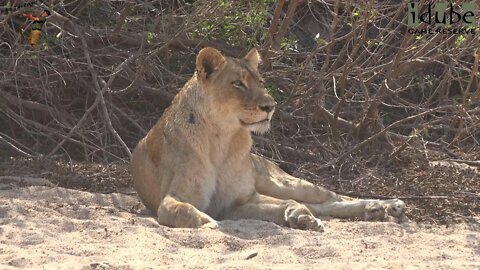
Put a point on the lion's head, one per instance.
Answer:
(235, 89)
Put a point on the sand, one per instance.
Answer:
(48, 227)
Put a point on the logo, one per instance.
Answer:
(37, 22)
(443, 18)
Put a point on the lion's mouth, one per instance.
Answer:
(259, 127)
(266, 120)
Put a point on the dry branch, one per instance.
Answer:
(98, 82)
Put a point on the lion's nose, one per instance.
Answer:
(267, 107)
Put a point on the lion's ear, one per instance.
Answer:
(209, 60)
(253, 58)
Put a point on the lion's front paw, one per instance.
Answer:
(207, 222)
(210, 225)
(299, 217)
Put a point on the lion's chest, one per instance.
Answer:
(233, 185)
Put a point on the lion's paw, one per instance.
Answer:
(395, 207)
(375, 211)
(381, 210)
(210, 225)
(299, 217)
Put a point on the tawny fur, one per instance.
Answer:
(194, 166)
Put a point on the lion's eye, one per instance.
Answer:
(239, 84)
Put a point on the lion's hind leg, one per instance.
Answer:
(282, 212)
(370, 210)
(272, 181)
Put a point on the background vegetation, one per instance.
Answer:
(364, 107)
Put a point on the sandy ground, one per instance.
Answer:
(47, 227)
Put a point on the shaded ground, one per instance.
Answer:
(415, 178)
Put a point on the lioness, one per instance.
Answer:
(195, 167)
